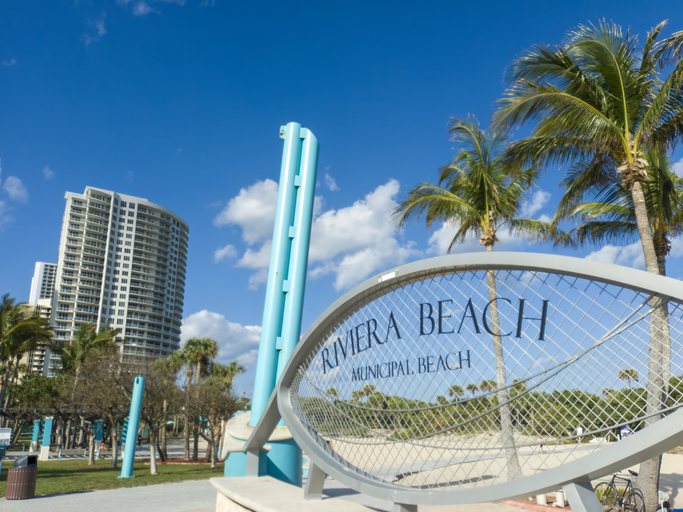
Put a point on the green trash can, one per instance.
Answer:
(21, 479)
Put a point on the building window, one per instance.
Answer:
(127, 251)
(121, 304)
(119, 321)
(131, 221)
(120, 312)
(131, 205)
(123, 204)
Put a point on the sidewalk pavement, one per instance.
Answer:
(190, 496)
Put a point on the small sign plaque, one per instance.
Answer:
(5, 436)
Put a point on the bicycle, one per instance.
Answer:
(629, 500)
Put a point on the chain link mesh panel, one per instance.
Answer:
(465, 379)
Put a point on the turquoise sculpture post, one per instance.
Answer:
(45, 441)
(133, 424)
(35, 436)
(285, 288)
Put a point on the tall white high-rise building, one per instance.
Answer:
(40, 297)
(43, 282)
(122, 261)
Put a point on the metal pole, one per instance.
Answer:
(133, 424)
(266, 364)
(298, 261)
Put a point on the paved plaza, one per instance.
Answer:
(191, 496)
(200, 496)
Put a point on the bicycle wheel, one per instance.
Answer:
(607, 495)
(634, 501)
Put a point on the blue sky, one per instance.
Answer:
(181, 102)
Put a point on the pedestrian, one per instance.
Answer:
(139, 441)
(540, 444)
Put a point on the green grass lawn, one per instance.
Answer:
(57, 477)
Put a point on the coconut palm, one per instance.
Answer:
(472, 388)
(480, 193)
(368, 390)
(195, 352)
(601, 99)
(87, 342)
(21, 330)
(628, 374)
(609, 213)
(455, 391)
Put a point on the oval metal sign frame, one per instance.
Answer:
(645, 444)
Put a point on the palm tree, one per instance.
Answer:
(482, 194)
(86, 343)
(368, 390)
(455, 391)
(488, 385)
(610, 215)
(21, 330)
(628, 374)
(600, 99)
(472, 388)
(197, 351)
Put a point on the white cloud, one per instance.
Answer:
(330, 183)
(534, 204)
(15, 189)
(4, 217)
(11, 62)
(627, 255)
(678, 168)
(350, 243)
(676, 247)
(99, 27)
(257, 261)
(141, 9)
(235, 341)
(224, 253)
(48, 173)
(442, 238)
(253, 210)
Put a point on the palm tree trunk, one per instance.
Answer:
(507, 433)
(152, 453)
(8, 397)
(91, 450)
(81, 432)
(186, 434)
(658, 362)
(114, 443)
(162, 434)
(195, 445)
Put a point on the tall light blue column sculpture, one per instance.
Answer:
(266, 364)
(133, 425)
(285, 288)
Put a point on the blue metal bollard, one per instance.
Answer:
(133, 424)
